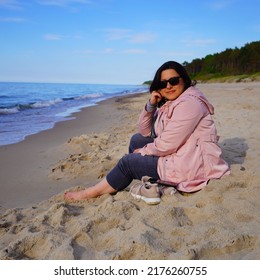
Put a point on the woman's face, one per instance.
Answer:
(171, 92)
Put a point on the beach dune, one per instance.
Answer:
(222, 221)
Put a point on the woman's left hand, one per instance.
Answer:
(137, 151)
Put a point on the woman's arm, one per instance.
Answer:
(186, 116)
(145, 122)
(147, 115)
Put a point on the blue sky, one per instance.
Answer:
(116, 41)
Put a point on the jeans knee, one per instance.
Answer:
(138, 141)
(134, 142)
(135, 138)
(123, 165)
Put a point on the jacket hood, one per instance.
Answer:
(198, 94)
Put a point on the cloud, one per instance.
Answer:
(117, 33)
(63, 3)
(220, 4)
(10, 4)
(53, 37)
(12, 19)
(144, 37)
(59, 37)
(108, 51)
(199, 42)
(87, 53)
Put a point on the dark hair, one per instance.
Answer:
(178, 68)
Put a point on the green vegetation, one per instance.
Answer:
(211, 78)
(147, 83)
(231, 65)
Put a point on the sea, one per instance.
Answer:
(28, 108)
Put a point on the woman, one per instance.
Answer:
(177, 142)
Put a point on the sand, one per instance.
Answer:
(222, 221)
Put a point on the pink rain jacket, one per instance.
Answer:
(186, 142)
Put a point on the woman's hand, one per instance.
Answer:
(137, 151)
(156, 97)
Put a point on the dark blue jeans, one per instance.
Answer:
(133, 166)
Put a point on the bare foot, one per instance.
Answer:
(76, 196)
(99, 189)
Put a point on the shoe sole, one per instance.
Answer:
(150, 201)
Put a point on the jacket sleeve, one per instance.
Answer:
(186, 115)
(145, 122)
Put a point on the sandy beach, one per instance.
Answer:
(222, 221)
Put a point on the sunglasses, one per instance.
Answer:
(173, 81)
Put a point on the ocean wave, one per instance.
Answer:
(21, 107)
(89, 96)
(8, 111)
(46, 103)
(5, 96)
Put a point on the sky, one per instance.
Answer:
(116, 41)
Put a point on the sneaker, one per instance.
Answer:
(146, 191)
(168, 191)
